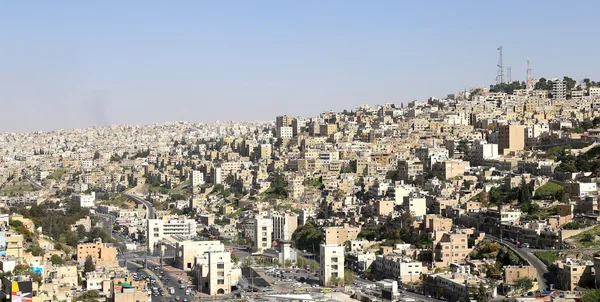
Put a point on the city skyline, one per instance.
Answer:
(71, 65)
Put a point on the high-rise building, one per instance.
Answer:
(332, 264)
(511, 138)
(197, 178)
(284, 121)
(559, 90)
(284, 225)
(263, 229)
(265, 151)
(216, 175)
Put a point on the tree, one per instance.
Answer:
(89, 296)
(463, 146)
(57, 260)
(524, 284)
(36, 250)
(335, 281)
(307, 237)
(524, 192)
(89, 265)
(287, 263)
(591, 295)
(407, 229)
(235, 259)
(96, 155)
(348, 276)
(248, 262)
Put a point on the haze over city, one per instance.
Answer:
(76, 64)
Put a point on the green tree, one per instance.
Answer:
(57, 260)
(307, 237)
(524, 192)
(524, 284)
(235, 259)
(89, 265)
(287, 263)
(348, 276)
(36, 250)
(463, 146)
(335, 281)
(591, 295)
(248, 262)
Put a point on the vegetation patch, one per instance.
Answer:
(588, 238)
(550, 190)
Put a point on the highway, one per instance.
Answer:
(543, 276)
(149, 207)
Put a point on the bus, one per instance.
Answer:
(325, 290)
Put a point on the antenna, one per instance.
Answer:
(528, 79)
(508, 80)
(500, 74)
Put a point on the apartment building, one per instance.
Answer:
(573, 273)
(216, 273)
(511, 138)
(513, 273)
(263, 231)
(332, 263)
(341, 234)
(399, 267)
(452, 247)
(158, 229)
(284, 225)
(196, 178)
(186, 251)
(102, 254)
(85, 200)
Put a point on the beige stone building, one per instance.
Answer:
(341, 234)
(573, 273)
(102, 254)
(511, 138)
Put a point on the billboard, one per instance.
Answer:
(22, 291)
(3, 244)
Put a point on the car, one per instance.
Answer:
(181, 286)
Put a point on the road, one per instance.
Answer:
(149, 207)
(543, 276)
(36, 185)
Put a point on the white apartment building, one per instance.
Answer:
(285, 132)
(216, 273)
(284, 225)
(157, 229)
(416, 205)
(332, 263)
(84, 200)
(196, 178)
(263, 229)
(481, 151)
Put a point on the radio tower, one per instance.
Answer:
(508, 80)
(528, 79)
(500, 75)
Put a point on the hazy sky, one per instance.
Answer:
(68, 64)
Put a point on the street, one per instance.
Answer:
(544, 277)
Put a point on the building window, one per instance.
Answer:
(221, 281)
(220, 265)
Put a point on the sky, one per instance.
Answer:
(73, 64)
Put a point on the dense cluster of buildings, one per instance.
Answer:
(434, 171)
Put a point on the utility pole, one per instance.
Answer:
(508, 75)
